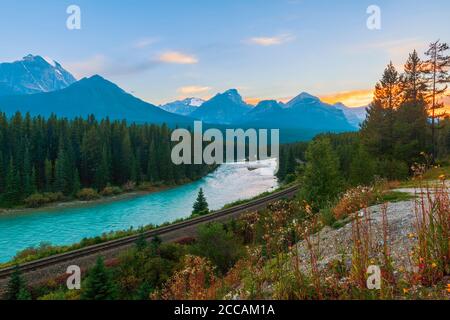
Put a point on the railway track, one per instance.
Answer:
(36, 265)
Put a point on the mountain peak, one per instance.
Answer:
(183, 107)
(232, 92)
(233, 95)
(33, 74)
(224, 108)
(303, 98)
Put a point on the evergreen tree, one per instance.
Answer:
(436, 70)
(141, 242)
(76, 185)
(61, 155)
(322, 180)
(201, 205)
(378, 129)
(17, 287)
(411, 127)
(99, 284)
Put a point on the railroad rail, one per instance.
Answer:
(126, 241)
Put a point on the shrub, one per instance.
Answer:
(87, 194)
(40, 199)
(111, 191)
(146, 186)
(393, 169)
(194, 282)
(218, 245)
(352, 201)
(327, 216)
(432, 252)
(129, 186)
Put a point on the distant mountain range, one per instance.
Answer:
(33, 74)
(304, 111)
(183, 107)
(43, 87)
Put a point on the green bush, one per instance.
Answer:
(327, 216)
(393, 169)
(218, 245)
(111, 191)
(40, 199)
(88, 194)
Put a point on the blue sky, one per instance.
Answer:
(165, 50)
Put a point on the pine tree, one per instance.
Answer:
(76, 185)
(201, 205)
(98, 285)
(322, 180)
(141, 242)
(413, 83)
(377, 131)
(17, 287)
(411, 127)
(436, 69)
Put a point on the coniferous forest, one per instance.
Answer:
(44, 160)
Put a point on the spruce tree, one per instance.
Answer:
(436, 70)
(99, 284)
(377, 131)
(201, 205)
(321, 181)
(17, 287)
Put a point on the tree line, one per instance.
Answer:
(60, 155)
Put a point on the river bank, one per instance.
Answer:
(74, 203)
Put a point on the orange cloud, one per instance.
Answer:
(355, 98)
(177, 58)
(253, 101)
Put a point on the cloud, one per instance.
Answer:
(355, 98)
(397, 50)
(88, 67)
(144, 42)
(189, 90)
(177, 58)
(271, 41)
(100, 64)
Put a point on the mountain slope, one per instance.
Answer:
(304, 112)
(355, 116)
(95, 96)
(183, 107)
(33, 74)
(224, 108)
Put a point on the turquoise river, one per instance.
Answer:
(64, 226)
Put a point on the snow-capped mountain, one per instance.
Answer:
(33, 74)
(355, 116)
(183, 107)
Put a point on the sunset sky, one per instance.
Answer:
(267, 49)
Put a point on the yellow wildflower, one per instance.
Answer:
(433, 265)
(448, 287)
(405, 291)
(442, 177)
